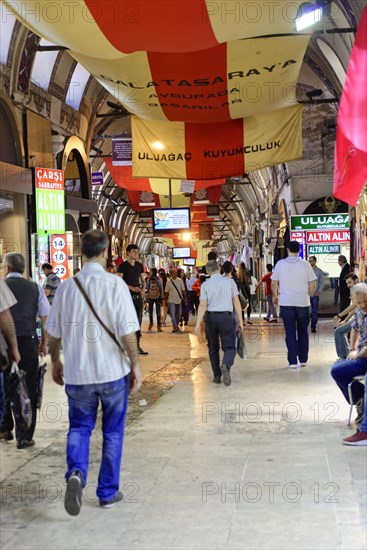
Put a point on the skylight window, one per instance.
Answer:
(77, 86)
(7, 21)
(43, 66)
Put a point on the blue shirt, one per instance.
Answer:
(360, 325)
(219, 292)
(320, 279)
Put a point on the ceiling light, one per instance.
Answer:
(308, 14)
(158, 145)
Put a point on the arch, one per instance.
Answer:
(76, 145)
(10, 114)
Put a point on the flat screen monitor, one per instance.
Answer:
(212, 210)
(171, 219)
(189, 261)
(183, 252)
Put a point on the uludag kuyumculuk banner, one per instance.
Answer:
(208, 151)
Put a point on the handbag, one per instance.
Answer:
(241, 348)
(109, 332)
(4, 357)
(19, 398)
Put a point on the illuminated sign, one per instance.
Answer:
(181, 252)
(314, 237)
(327, 221)
(50, 201)
(323, 249)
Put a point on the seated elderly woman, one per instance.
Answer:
(343, 372)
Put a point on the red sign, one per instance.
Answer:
(333, 236)
(298, 236)
(59, 256)
(49, 179)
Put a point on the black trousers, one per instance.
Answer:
(157, 309)
(138, 304)
(221, 326)
(28, 349)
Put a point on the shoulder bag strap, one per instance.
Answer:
(86, 297)
(179, 293)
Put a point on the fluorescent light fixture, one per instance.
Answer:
(308, 14)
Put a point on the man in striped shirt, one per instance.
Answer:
(219, 303)
(52, 282)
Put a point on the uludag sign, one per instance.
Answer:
(327, 221)
(314, 237)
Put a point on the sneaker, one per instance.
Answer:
(273, 320)
(109, 503)
(74, 492)
(159, 329)
(6, 436)
(175, 330)
(226, 374)
(186, 323)
(292, 366)
(150, 326)
(217, 380)
(303, 364)
(25, 443)
(359, 438)
(266, 319)
(141, 351)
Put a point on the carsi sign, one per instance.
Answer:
(327, 221)
(50, 201)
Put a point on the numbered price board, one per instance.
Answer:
(59, 256)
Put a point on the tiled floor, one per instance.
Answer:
(257, 465)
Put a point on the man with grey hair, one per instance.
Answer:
(343, 372)
(94, 315)
(31, 302)
(220, 304)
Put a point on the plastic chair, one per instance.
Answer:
(360, 378)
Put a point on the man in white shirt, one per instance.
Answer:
(220, 304)
(95, 369)
(293, 282)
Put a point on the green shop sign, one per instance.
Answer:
(50, 201)
(323, 221)
(323, 249)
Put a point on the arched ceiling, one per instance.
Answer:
(35, 74)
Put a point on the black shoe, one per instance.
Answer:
(74, 493)
(25, 443)
(186, 323)
(249, 323)
(273, 320)
(7, 435)
(266, 319)
(226, 374)
(109, 503)
(141, 351)
(313, 330)
(217, 380)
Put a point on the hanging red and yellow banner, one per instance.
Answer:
(210, 151)
(106, 28)
(232, 80)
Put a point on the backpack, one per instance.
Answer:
(154, 292)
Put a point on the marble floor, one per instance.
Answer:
(259, 464)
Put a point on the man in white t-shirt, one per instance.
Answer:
(293, 282)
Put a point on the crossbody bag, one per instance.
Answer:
(109, 332)
(178, 292)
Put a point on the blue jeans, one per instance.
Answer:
(272, 310)
(221, 325)
(296, 320)
(314, 310)
(175, 311)
(83, 406)
(344, 372)
(363, 426)
(341, 344)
